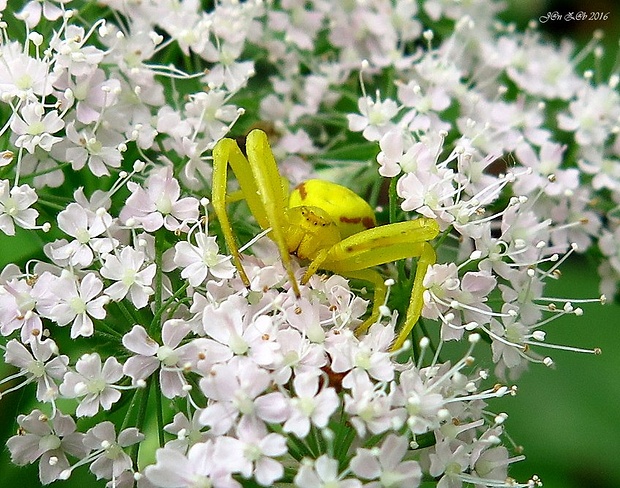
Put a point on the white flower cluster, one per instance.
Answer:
(107, 134)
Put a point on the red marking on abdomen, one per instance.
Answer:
(368, 222)
(350, 220)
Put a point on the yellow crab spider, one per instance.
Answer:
(323, 223)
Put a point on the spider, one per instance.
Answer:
(323, 223)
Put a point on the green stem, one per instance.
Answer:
(393, 199)
(159, 252)
(144, 397)
(160, 413)
(160, 310)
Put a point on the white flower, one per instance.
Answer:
(188, 432)
(593, 115)
(131, 278)
(387, 465)
(86, 227)
(323, 473)
(49, 441)
(31, 12)
(22, 76)
(72, 52)
(34, 127)
(17, 310)
(199, 468)
(259, 448)
(38, 365)
(93, 383)
(375, 119)
(110, 459)
(428, 193)
(370, 407)
(200, 260)
(309, 405)
(299, 24)
(70, 300)
(99, 151)
(170, 358)
(234, 389)
(158, 204)
(15, 207)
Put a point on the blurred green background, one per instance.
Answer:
(566, 418)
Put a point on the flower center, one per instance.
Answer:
(96, 385)
(77, 305)
(244, 403)
(93, 146)
(164, 205)
(36, 128)
(10, 207)
(82, 236)
(167, 356)
(49, 443)
(37, 368)
(129, 277)
(200, 481)
(24, 82)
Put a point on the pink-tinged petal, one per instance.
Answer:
(72, 219)
(365, 465)
(392, 145)
(95, 307)
(108, 397)
(57, 367)
(89, 365)
(298, 424)
(82, 256)
(17, 355)
(186, 209)
(172, 470)
(82, 326)
(272, 407)
(88, 406)
(173, 332)
(138, 295)
(90, 287)
(147, 274)
(6, 225)
(112, 370)
(220, 384)
(357, 122)
(140, 367)
(306, 385)
(326, 405)
(219, 416)
(117, 291)
(267, 471)
(24, 449)
(129, 437)
(171, 383)
(138, 341)
(152, 221)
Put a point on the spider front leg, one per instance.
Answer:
(353, 256)
(261, 186)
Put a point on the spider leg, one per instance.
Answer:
(380, 291)
(352, 256)
(427, 257)
(261, 185)
(226, 151)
